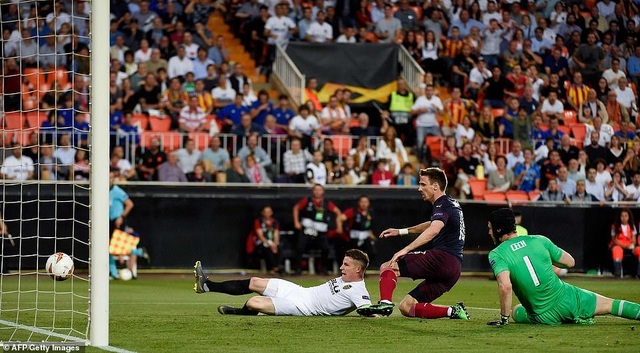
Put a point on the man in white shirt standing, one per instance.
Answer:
(426, 107)
(320, 31)
(634, 188)
(338, 296)
(277, 30)
(614, 74)
(16, 166)
(626, 98)
(477, 77)
(180, 64)
(593, 187)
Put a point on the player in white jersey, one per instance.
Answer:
(338, 296)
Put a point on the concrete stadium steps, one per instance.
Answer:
(236, 50)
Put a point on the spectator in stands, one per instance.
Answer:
(363, 128)
(486, 125)
(151, 159)
(549, 168)
(120, 164)
(489, 160)
(513, 55)
(223, 94)
(581, 195)
(631, 162)
(249, 95)
(615, 151)
(603, 176)
(381, 176)
(605, 132)
(491, 39)
(304, 126)
(156, 62)
(593, 107)
(408, 176)
(455, 109)
(465, 23)
(236, 173)
(633, 189)
(231, 115)
(116, 52)
(626, 132)
(592, 186)
(192, 117)
(333, 118)
(295, 161)
(566, 150)
(615, 190)
(170, 171)
(515, 156)
(633, 67)
(552, 107)
(389, 28)
(238, 78)
(497, 88)
(65, 151)
(247, 127)
(278, 28)
(462, 63)
(553, 192)
(316, 172)
(179, 65)
(272, 127)
(464, 132)
(148, 96)
(538, 135)
(305, 23)
(616, 113)
(200, 64)
(576, 172)
(477, 77)
(391, 149)
(501, 179)
(567, 185)
(466, 167)
(589, 58)
(81, 168)
(255, 172)
(348, 36)
(625, 95)
(613, 74)
(425, 107)
(199, 175)
(16, 166)
(50, 167)
(215, 159)
(319, 31)
(188, 156)
(556, 63)
(261, 108)
(527, 173)
(594, 150)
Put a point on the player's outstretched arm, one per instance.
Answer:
(426, 236)
(394, 232)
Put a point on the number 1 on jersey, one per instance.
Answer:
(532, 271)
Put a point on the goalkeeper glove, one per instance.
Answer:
(504, 320)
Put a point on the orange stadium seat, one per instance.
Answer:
(34, 76)
(159, 124)
(171, 141)
(565, 129)
(570, 117)
(495, 196)
(59, 75)
(517, 196)
(141, 120)
(23, 137)
(579, 132)
(341, 144)
(534, 195)
(478, 188)
(13, 121)
(435, 145)
(36, 118)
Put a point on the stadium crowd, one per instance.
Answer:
(537, 97)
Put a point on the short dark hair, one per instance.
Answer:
(359, 256)
(436, 175)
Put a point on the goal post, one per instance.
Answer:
(54, 100)
(99, 196)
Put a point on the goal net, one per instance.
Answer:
(46, 177)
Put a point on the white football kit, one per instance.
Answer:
(334, 297)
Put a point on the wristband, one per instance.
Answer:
(403, 231)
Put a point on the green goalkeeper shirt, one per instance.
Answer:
(528, 259)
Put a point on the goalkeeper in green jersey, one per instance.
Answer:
(523, 264)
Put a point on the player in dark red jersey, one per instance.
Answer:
(439, 267)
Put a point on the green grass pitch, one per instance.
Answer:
(162, 314)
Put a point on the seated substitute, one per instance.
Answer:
(523, 264)
(338, 296)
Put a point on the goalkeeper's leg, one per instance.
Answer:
(617, 307)
(520, 314)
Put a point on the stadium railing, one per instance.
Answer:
(286, 71)
(274, 145)
(412, 72)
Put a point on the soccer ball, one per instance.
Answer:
(125, 274)
(60, 266)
